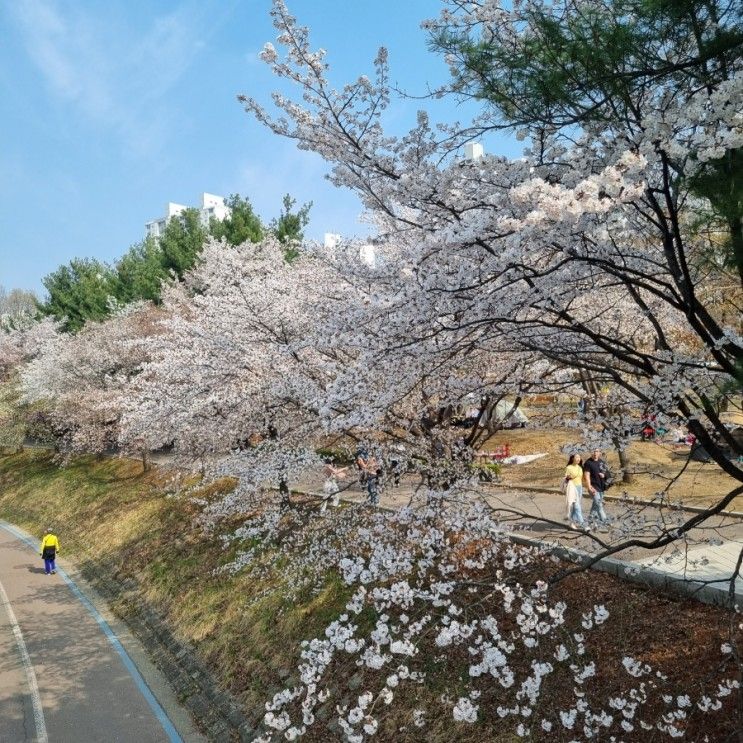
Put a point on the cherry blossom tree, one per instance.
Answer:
(19, 345)
(589, 260)
(79, 378)
(10, 352)
(234, 374)
(585, 252)
(18, 308)
(412, 378)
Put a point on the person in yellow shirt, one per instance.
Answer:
(574, 492)
(49, 549)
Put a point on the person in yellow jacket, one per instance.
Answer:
(49, 549)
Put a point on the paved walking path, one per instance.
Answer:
(708, 556)
(64, 676)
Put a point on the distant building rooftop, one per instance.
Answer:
(211, 206)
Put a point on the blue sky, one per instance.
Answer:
(112, 109)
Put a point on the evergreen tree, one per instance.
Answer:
(242, 225)
(182, 242)
(86, 288)
(139, 272)
(289, 227)
(78, 292)
(595, 67)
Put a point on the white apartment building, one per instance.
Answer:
(211, 206)
(331, 240)
(367, 252)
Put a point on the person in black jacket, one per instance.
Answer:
(369, 474)
(596, 477)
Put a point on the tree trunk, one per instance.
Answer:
(145, 460)
(591, 393)
(624, 462)
(284, 491)
(736, 239)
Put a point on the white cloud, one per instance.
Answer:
(115, 73)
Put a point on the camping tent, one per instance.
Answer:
(517, 419)
(467, 414)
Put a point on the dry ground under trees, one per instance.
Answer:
(654, 467)
(122, 523)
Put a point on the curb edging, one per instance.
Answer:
(217, 712)
(641, 574)
(622, 569)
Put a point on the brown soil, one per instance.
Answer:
(654, 465)
(678, 638)
(250, 632)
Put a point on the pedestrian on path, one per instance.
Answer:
(596, 478)
(369, 474)
(573, 485)
(48, 550)
(330, 488)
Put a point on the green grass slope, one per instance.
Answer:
(128, 527)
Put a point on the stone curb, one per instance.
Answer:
(641, 574)
(216, 712)
(623, 569)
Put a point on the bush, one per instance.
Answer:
(336, 455)
(487, 471)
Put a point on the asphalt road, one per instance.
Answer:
(61, 677)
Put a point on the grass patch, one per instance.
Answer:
(112, 517)
(116, 520)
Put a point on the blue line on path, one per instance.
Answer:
(158, 711)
